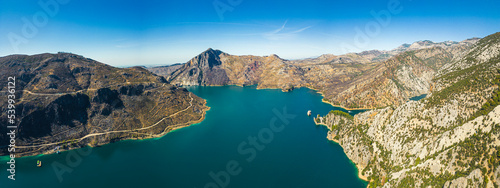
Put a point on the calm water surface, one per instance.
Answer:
(217, 152)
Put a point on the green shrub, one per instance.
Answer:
(341, 113)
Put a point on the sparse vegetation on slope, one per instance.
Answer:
(63, 98)
(450, 138)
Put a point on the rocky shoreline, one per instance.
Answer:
(365, 80)
(331, 136)
(448, 139)
(67, 101)
(175, 127)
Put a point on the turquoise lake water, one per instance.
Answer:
(246, 140)
(417, 98)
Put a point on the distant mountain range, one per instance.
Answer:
(368, 79)
(450, 138)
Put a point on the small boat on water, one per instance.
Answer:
(39, 163)
(309, 113)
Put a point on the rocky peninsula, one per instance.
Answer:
(67, 101)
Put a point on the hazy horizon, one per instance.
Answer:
(122, 33)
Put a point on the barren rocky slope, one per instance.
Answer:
(166, 70)
(358, 80)
(449, 139)
(70, 101)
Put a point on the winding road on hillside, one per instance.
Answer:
(108, 132)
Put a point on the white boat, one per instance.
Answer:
(309, 113)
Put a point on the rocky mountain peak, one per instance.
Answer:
(370, 52)
(421, 44)
(212, 51)
(275, 56)
(209, 57)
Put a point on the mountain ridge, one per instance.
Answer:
(398, 143)
(335, 76)
(69, 101)
(448, 139)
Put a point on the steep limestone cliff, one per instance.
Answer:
(448, 139)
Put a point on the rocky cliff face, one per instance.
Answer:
(395, 80)
(214, 67)
(203, 69)
(70, 101)
(357, 80)
(165, 70)
(448, 139)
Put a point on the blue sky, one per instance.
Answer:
(125, 33)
